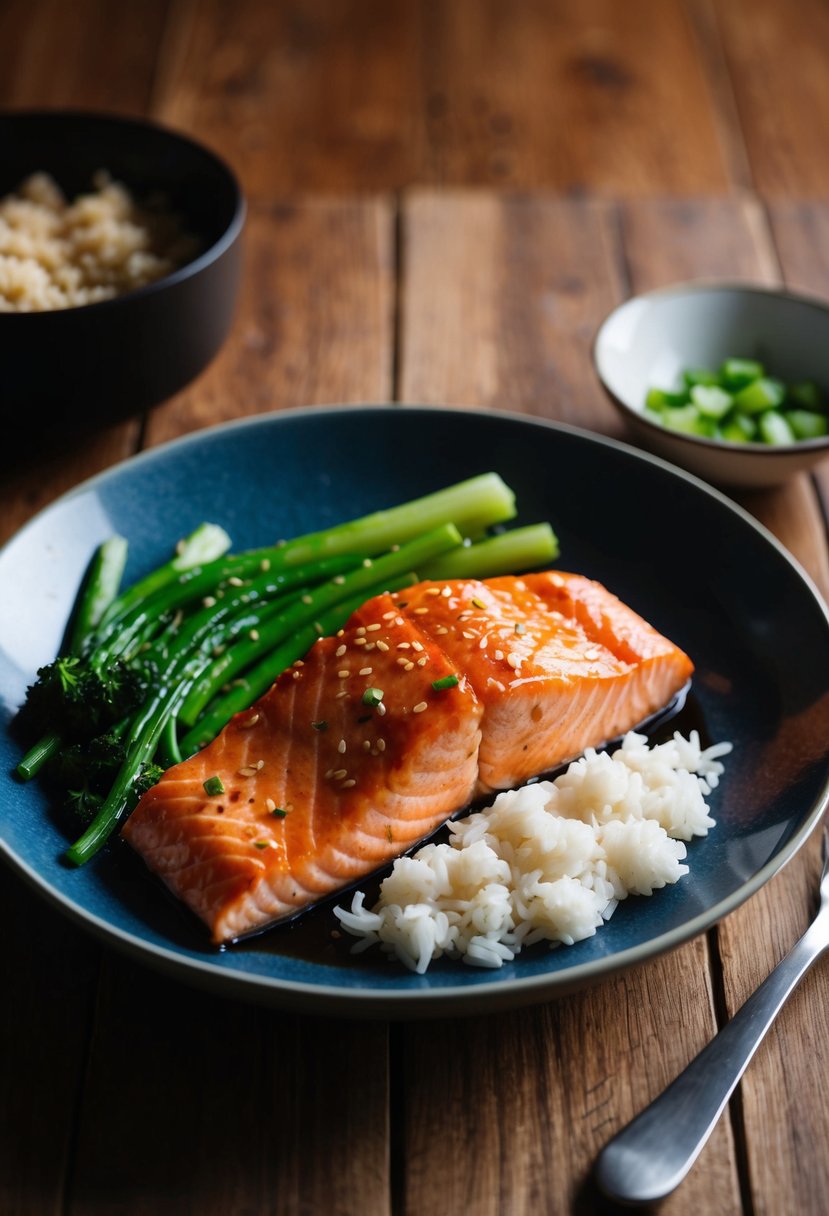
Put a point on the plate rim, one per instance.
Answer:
(461, 999)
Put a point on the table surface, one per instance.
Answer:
(445, 201)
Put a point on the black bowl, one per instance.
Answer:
(75, 368)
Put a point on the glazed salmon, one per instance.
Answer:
(321, 786)
(558, 663)
(425, 699)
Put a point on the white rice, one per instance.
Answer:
(548, 862)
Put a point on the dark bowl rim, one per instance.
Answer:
(718, 286)
(202, 260)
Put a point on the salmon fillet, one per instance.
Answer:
(322, 785)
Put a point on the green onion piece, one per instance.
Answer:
(699, 375)
(659, 399)
(213, 786)
(807, 424)
(760, 395)
(775, 429)
(279, 812)
(711, 401)
(736, 373)
(520, 627)
(445, 682)
(260, 844)
(321, 725)
(478, 603)
(372, 696)
(806, 394)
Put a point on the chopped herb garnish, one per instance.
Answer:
(402, 603)
(445, 682)
(213, 786)
(520, 627)
(279, 812)
(479, 603)
(372, 696)
(321, 725)
(260, 844)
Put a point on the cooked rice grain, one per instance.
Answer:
(548, 862)
(55, 254)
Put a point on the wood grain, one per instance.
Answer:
(778, 56)
(587, 1062)
(524, 285)
(569, 96)
(315, 320)
(92, 54)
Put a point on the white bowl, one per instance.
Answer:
(649, 341)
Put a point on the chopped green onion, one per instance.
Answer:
(445, 682)
(321, 725)
(372, 696)
(279, 812)
(213, 786)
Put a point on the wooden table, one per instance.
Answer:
(391, 257)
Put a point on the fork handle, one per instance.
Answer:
(652, 1155)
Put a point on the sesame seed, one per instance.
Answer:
(446, 592)
(339, 773)
(404, 645)
(419, 708)
(329, 773)
(366, 562)
(370, 645)
(478, 603)
(177, 619)
(417, 645)
(235, 581)
(341, 746)
(388, 616)
(373, 628)
(381, 645)
(394, 549)
(433, 590)
(381, 745)
(482, 645)
(359, 641)
(514, 659)
(254, 635)
(307, 599)
(398, 620)
(297, 663)
(340, 633)
(318, 628)
(339, 579)
(365, 671)
(209, 601)
(496, 684)
(180, 546)
(270, 805)
(247, 771)
(470, 636)
(499, 655)
(422, 661)
(408, 666)
(340, 651)
(402, 660)
(441, 629)
(421, 611)
(344, 693)
(250, 722)
(381, 709)
(265, 564)
(296, 675)
(366, 745)
(343, 674)
(346, 785)
(218, 651)
(360, 630)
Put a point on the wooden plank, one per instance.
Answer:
(524, 285)
(543, 1088)
(193, 1103)
(568, 96)
(781, 1110)
(315, 317)
(303, 95)
(90, 54)
(778, 56)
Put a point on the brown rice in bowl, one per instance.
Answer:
(57, 254)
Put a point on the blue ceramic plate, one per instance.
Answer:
(680, 553)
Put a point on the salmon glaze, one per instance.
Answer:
(425, 700)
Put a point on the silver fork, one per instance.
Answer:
(651, 1156)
